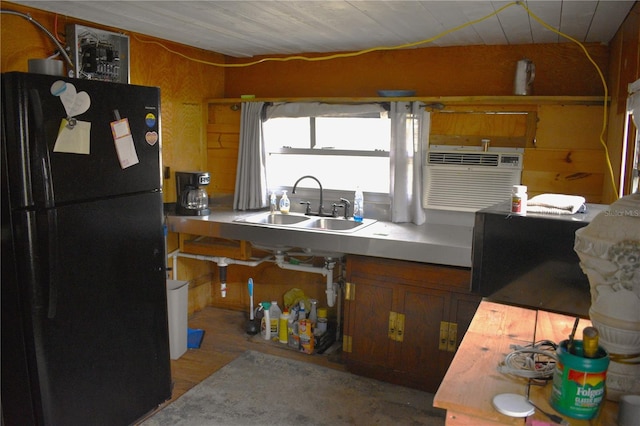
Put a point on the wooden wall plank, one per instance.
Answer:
(569, 126)
(431, 71)
(588, 185)
(564, 160)
(479, 124)
(223, 139)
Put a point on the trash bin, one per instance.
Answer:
(177, 305)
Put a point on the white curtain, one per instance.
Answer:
(410, 125)
(251, 177)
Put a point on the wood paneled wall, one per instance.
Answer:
(561, 69)
(184, 84)
(223, 136)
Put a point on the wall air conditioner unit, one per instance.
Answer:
(468, 179)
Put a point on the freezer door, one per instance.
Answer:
(45, 156)
(100, 334)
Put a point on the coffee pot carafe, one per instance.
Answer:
(525, 73)
(192, 198)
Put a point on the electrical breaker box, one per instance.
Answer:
(98, 54)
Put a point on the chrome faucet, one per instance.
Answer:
(293, 191)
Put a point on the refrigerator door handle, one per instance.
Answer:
(41, 179)
(42, 184)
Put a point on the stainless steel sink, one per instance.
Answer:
(299, 221)
(276, 219)
(333, 224)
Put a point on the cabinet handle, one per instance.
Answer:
(350, 291)
(400, 328)
(393, 316)
(347, 342)
(444, 336)
(396, 326)
(453, 337)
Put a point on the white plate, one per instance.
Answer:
(513, 405)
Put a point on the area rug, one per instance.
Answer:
(262, 389)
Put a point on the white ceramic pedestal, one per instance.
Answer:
(609, 252)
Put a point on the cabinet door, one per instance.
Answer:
(368, 322)
(463, 308)
(419, 357)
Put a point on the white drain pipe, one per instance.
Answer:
(326, 271)
(223, 262)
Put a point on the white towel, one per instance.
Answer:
(555, 204)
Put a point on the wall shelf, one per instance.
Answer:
(447, 100)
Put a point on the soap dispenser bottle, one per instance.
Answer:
(358, 206)
(285, 204)
(273, 205)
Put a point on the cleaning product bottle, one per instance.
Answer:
(285, 204)
(265, 323)
(302, 314)
(321, 326)
(358, 206)
(273, 204)
(292, 333)
(305, 330)
(274, 315)
(313, 313)
(283, 327)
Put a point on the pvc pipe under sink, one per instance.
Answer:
(221, 261)
(326, 270)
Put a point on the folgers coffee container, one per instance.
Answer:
(579, 382)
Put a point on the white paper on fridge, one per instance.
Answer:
(123, 139)
(73, 139)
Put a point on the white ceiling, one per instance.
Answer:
(249, 28)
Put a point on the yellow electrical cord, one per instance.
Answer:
(604, 85)
(425, 41)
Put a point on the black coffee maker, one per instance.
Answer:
(192, 198)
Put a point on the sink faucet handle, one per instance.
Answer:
(307, 209)
(335, 207)
(347, 206)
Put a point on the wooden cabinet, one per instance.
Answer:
(404, 320)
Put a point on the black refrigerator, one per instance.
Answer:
(84, 306)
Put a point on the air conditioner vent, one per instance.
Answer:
(469, 181)
(464, 158)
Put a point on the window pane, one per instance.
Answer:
(337, 171)
(371, 174)
(366, 134)
(287, 132)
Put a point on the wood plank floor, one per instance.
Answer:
(224, 340)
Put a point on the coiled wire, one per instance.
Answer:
(536, 361)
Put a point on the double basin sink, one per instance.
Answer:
(303, 222)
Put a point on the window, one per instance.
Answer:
(342, 152)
